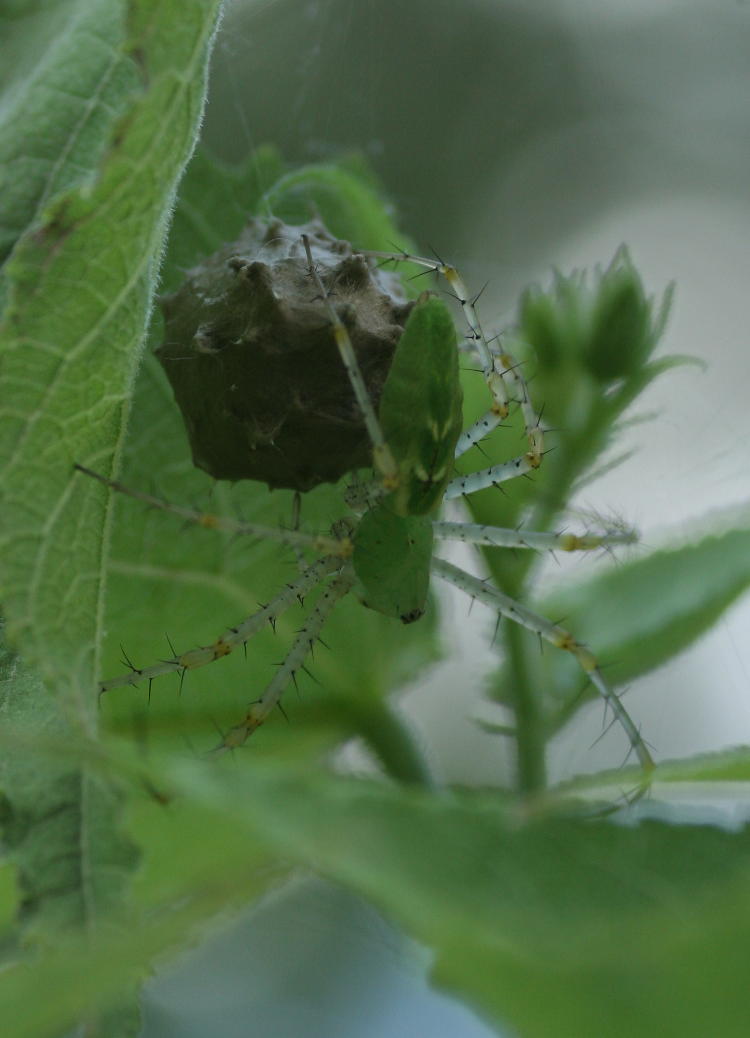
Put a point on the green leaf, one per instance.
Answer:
(727, 768)
(9, 897)
(80, 291)
(214, 202)
(98, 129)
(60, 828)
(177, 897)
(57, 821)
(638, 615)
(344, 195)
(68, 79)
(554, 927)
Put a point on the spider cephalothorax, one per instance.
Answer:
(253, 364)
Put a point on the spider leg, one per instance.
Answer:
(234, 636)
(483, 426)
(555, 635)
(501, 537)
(491, 371)
(461, 486)
(295, 538)
(500, 370)
(294, 661)
(511, 370)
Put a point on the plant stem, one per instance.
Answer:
(530, 741)
(392, 742)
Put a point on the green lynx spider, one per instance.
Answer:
(383, 548)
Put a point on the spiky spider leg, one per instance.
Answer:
(501, 537)
(294, 538)
(501, 373)
(519, 466)
(555, 635)
(228, 641)
(483, 426)
(493, 377)
(493, 536)
(294, 660)
(340, 549)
